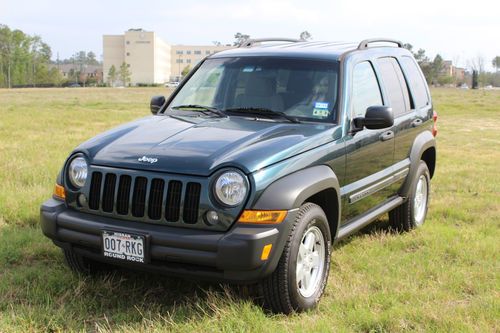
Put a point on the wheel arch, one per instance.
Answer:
(324, 199)
(317, 184)
(423, 148)
(429, 157)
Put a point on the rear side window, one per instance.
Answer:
(365, 89)
(395, 85)
(416, 82)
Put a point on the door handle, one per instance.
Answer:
(387, 136)
(416, 122)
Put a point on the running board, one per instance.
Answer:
(367, 218)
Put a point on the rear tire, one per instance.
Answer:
(301, 276)
(82, 265)
(411, 214)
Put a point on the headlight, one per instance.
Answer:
(77, 172)
(231, 188)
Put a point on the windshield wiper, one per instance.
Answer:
(263, 112)
(201, 108)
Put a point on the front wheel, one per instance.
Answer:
(82, 265)
(300, 278)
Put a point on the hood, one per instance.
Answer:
(201, 145)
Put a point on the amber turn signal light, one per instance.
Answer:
(59, 192)
(263, 216)
(266, 250)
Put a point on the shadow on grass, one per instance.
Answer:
(379, 226)
(38, 290)
(37, 287)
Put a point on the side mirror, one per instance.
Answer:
(156, 103)
(376, 117)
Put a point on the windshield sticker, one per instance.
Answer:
(321, 105)
(321, 112)
(248, 69)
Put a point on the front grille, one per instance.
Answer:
(144, 198)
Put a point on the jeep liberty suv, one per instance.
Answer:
(261, 159)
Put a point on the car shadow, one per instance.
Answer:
(379, 226)
(169, 292)
(34, 278)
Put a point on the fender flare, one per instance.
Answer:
(422, 142)
(291, 191)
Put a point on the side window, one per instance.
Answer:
(365, 89)
(395, 85)
(416, 81)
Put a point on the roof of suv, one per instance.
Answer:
(301, 49)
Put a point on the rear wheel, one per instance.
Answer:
(412, 213)
(82, 265)
(299, 281)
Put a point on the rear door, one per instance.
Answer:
(398, 97)
(409, 124)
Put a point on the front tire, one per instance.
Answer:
(82, 265)
(412, 213)
(301, 276)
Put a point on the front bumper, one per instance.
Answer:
(234, 255)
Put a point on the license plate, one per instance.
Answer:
(123, 246)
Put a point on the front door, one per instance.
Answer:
(370, 153)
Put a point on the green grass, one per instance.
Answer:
(443, 277)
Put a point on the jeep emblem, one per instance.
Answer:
(147, 159)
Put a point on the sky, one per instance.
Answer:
(458, 31)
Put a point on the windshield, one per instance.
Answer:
(300, 88)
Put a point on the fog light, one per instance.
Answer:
(211, 217)
(82, 200)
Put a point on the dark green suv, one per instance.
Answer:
(260, 160)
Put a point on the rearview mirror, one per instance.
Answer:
(156, 103)
(376, 117)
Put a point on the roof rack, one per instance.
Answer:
(364, 43)
(251, 42)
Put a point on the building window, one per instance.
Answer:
(178, 52)
(188, 61)
(188, 52)
(128, 65)
(207, 52)
(128, 53)
(179, 61)
(128, 42)
(197, 52)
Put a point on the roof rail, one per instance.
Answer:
(364, 43)
(251, 42)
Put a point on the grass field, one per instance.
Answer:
(444, 277)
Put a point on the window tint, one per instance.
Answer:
(416, 82)
(395, 84)
(365, 89)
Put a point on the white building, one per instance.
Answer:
(150, 59)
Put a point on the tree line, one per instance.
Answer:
(24, 59)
